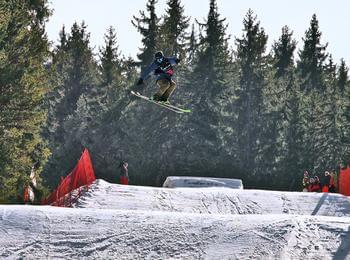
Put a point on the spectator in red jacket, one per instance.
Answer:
(315, 186)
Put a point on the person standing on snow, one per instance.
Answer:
(326, 181)
(315, 186)
(163, 69)
(124, 174)
(306, 181)
(332, 181)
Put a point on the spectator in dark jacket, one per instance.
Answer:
(332, 181)
(124, 175)
(326, 181)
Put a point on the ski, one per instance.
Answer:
(178, 108)
(167, 106)
(155, 102)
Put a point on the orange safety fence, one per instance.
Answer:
(344, 181)
(81, 176)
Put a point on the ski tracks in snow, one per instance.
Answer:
(204, 202)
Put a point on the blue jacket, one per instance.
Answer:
(162, 70)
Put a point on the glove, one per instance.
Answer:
(177, 60)
(139, 82)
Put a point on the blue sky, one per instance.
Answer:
(273, 15)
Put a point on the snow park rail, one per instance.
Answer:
(70, 188)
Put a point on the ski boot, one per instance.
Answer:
(155, 98)
(164, 100)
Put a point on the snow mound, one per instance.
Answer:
(199, 182)
(215, 200)
(112, 221)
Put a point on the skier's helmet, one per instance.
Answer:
(159, 56)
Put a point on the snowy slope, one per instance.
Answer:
(127, 222)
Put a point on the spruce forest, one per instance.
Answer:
(260, 113)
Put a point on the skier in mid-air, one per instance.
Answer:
(163, 68)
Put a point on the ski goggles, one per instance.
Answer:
(159, 60)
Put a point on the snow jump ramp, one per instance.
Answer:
(112, 221)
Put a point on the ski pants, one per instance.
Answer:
(166, 88)
(124, 180)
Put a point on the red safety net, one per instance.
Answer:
(79, 179)
(344, 181)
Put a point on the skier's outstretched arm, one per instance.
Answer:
(146, 73)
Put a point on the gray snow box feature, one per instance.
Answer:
(201, 182)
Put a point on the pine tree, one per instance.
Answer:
(79, 68)
(55, 97)
(269, 148)
(342, 77)
(61, 47)
(109, 55)
(192, 46)
(207, 81)
(327, 134)
(148, 27)
(189, 63)
(344, 107)
(292, 163)
(283, 51)
(250, 59)
(312, 58)
(23, 84)
(173, 29)
(286, 135)
(110, 68)
(75, 103)
(213, 56)
(343, 87)
(311, 73)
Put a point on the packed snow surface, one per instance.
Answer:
(112, 221)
